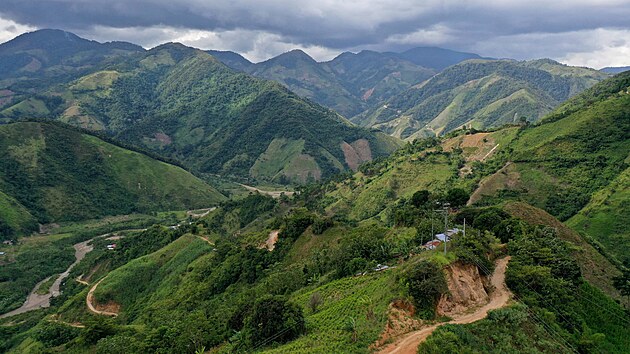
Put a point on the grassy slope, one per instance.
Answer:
(604, 217)
(60, 174)
(15, 215)
(575, 152)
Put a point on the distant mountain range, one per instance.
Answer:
(350, 83)
(481, 94)
(615, 69)
(184, 104)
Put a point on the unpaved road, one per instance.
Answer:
(36, 301)
(498, 298)
(90, 299)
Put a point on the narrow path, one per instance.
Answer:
(498, 298)
(90, 299)
(200, 213)
(489, 152)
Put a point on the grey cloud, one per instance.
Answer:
(333, 24)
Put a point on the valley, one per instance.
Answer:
(179, 200)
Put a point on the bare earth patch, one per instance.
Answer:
(356, 153)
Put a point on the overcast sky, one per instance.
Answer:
(593, 33)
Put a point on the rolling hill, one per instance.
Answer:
(184, 104)
(50, 172)
(481, 94)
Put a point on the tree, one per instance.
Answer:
(273, 320)
(425, 283)
(315, 301)
(457, 197)
(622, 283)
(420, 198)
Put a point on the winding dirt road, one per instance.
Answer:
(498, 298)
(35, 301)
(89, 299)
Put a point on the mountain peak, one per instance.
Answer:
(291, 58)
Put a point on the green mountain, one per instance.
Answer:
(481, 94)
(33, 62)
(308, 78)
(350, 83)
(307, 274)
(52, 173)
(184, 104)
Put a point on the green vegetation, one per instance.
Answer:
(58, 174)
(30, 261)
(481, 93)
(183, 104)
(603, 218)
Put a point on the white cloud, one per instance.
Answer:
(10, 29)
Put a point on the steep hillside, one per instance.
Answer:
(183, 103)
(577, 150)
(375, 77)
(308, 78)
(604, 217)
(481, 94)
(57, 174)
(15, 219)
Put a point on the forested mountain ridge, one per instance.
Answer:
(56, 173)
(481, 94)
(351, 82)
(183, 103)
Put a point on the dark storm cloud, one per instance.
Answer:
(332, 24)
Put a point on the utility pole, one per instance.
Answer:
(445, 211)
(464, 227)
(446, 205)
(432, 232)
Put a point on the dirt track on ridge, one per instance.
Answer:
(498, 299)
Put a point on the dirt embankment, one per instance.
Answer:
(466, 290)
(468, 287)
